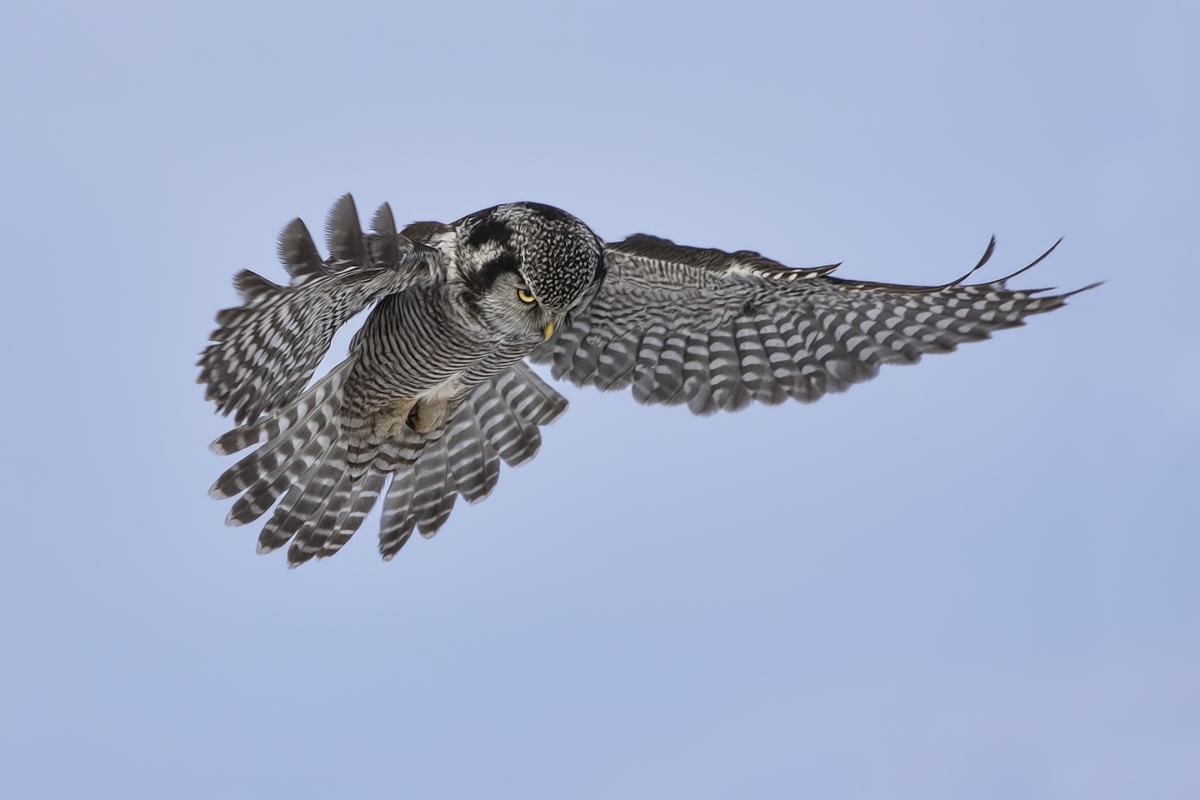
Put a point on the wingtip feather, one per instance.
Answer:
(298, 253)
(343, 232)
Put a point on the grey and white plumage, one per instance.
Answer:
(435, 391)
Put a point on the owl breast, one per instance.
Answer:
(418, 360)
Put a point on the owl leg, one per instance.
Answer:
(391, 419)
(430, 414)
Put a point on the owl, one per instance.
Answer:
(436, 391)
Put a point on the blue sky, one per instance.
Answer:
(976, 577)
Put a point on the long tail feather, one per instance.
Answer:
(398, 523)
(324, 475)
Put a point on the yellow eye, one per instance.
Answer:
(525, 296)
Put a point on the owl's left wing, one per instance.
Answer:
(267, 348)
(717, 330)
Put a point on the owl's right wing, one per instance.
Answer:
(267, 349)
(718, 330)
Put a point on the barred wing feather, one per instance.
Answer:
(719, 330)
(266, 350)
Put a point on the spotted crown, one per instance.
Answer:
(557, 254)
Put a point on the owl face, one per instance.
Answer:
(524, 267)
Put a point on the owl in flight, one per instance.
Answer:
(436, 391)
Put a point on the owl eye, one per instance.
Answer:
(525, 296)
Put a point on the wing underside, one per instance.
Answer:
(719, 330)
(265, 350)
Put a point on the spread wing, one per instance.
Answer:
(266, 349)
(717, 330)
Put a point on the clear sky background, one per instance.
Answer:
(977, 577)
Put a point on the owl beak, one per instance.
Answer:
(548, 331)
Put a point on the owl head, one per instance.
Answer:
(524, 267)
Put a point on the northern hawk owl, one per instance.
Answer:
(435, 391)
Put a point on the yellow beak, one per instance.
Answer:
(548, 331)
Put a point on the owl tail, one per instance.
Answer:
(304, 455)
(327, 490)
(498, 422)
